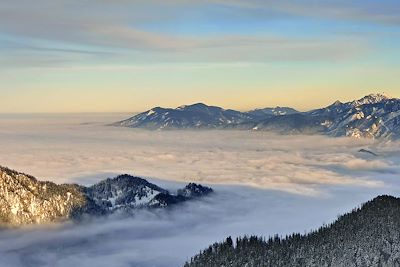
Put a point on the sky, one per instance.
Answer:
(129, 56)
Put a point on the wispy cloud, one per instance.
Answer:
(117, 27)
(382, 12)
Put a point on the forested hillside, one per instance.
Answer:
(367, 236)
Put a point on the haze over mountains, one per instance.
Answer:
(372, 116)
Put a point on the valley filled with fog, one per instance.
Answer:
(264, 184)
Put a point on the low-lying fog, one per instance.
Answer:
(265, 184)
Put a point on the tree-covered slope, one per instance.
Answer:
(367, 236)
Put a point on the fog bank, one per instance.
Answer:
(63, 147)
(264, 184)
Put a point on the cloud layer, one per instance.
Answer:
(60, 148)
(297, 183)
(169, 238)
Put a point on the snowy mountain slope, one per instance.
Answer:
(191, 116)
(297, 123)
(25, 200)
(277, 111)
(123, 191)
(372, 116)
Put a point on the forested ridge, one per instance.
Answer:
(367, 236)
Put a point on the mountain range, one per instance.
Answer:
(372, 116)
(26, 200)
(367, 236)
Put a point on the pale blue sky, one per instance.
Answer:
(78, 56)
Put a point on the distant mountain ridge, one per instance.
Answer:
(277, 111)
(367, 236)
(25, 200)
(192, 116)
(372, 116)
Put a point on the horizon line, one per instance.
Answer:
(193, 103)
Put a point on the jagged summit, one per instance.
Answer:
(336, 103)
(371, 99)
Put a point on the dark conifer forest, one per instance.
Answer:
(367, 236)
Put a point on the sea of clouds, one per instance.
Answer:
(264, 184)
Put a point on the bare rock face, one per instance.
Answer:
(25, 200)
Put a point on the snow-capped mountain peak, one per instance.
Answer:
(336, 103)
(373, 116)
(193, 106)
(371, 99)
(151, 112)
(197, 115)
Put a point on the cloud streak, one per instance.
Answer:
(122, 34)
(383, 12)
